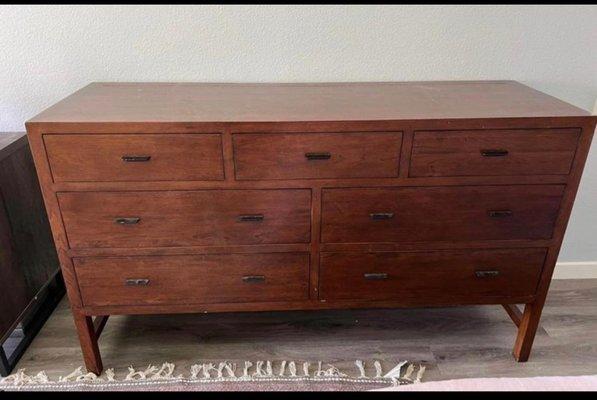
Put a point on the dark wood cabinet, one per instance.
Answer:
(171, 198)
(30, 283)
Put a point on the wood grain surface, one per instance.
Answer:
(93, 158)
(341, 155)
(193, 279)
(167, 219)
(457, 214)
(353, 169)
(272, 102)
(494, 152)
(390, 275)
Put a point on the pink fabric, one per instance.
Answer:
(541, 383)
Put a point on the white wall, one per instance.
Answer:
(49, 51)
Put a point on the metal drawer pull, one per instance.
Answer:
(494, 153)
(136, 158)
(127, 220)
(318, 156)
(250, 217)
(376, 276)
(136, 282)
(381, 216)
(254, 279)
(486, 274)
(499, 213)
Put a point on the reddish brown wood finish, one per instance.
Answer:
(285, 156)
(386, 276)
(99, 323)
(458, 213)
(88, 337)
(427, 137)
(190, 218)
(494, 152)
(199, 279)
(97, 158)
(131, 103)
(514, 313)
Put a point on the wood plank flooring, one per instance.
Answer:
(453, 342)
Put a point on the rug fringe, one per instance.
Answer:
(227, 371)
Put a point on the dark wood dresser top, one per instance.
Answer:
(290, 102)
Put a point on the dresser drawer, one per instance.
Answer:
(316, 155)
(193, 279)
(493, 152)
(456, 213)
(140, 157)
(384, 276)
(185, 218)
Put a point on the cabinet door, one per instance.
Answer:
(13, 293)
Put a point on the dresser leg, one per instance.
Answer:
(88, 340)
(526, 331)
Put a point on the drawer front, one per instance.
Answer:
(185, 218)
(116, 157)
(194, 279)
(316, 155)
(384, 276)
(451, 214)
(493, 152)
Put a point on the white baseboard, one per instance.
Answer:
(576, 270)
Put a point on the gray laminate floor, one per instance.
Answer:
(453, 342)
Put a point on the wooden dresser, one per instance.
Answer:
(183, 197)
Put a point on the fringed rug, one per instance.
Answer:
(226, 376)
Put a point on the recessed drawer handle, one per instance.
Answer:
(136, 282)
(499, 213)
(254, 279)
(381, 216)
(376, 276)
(318, 156)
(251, 217)
(494, 153)
(136, 158)
(127, 220)
(486, 274)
